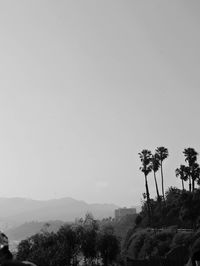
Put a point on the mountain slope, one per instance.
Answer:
(28, 229)
(19, 210)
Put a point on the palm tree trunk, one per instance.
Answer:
(193, 185)
(183, 188)
(147, 188)
(189, 183)
(163, 192)
(148, 200)
(157, 191)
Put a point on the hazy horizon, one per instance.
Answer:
(85, 86)
(62, 198)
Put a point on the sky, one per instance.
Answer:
(86, 85)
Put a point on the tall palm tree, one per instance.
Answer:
(198, 176)
(195, 174)
(162, 154)
(155, 166)
(145, 157)
(182, 172)
(191, 158)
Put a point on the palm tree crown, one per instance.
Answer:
(162, 153)
(190, 156)
(155, 164)
(183, 173)
(145, 157)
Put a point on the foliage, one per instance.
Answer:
(181, 208)
(89, 232)
(70, 243)
(193, 169)
(182, 172)
(145, 157)
(136, 242)
(50, 248)
(108, 245)
(156, 244)
(182, 239)
(190, 210)
(146, 243)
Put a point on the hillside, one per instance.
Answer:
(30, 228)
(15, 211)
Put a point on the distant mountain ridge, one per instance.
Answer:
(15, 211)
(30, 228)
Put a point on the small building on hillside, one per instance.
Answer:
(121, 212)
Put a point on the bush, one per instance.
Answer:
(70, 243)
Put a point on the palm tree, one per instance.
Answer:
(162, 154)
(155, 166)
(191, 158)
(182, 172)
(145, 157)
(195, 174)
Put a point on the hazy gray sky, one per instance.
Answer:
(86, 85)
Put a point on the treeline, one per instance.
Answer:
(82, 242)
(169, 224)
(175, 223)
(160, 208)
(181, 209)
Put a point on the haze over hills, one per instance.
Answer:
(28, 229)
(21, 217)
(15, 211)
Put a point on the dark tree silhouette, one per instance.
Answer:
(191, 158)
(182, 172)
(108, 246)
(89, 232)
(195, 173)
(145, 157)
(155, 166)
(162, 154)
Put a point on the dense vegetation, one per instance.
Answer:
(172, 219)
(181, 209)
(82, 241)
(174, 223)
(175, 207)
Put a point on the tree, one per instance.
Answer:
(191, 158)
(68, 239)
(182, 172)
(89, 238)
(108, 245)
(195, 173)
(155, 166)
(162, 154)
(41, 249)
(55, 249)
(190, 208)
(145, 157)
(24, 249)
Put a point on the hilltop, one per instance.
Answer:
(15, 211)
